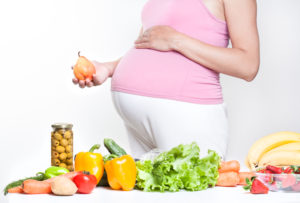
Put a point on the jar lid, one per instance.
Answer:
(62, 125)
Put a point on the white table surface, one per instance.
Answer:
(212, 195)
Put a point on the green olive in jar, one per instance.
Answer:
(57, 136)
(69, 161)
(69, 148)
(63, 165)
(70, 167)
(61, 131)
(60, 149)
(63, 142)
(69, 155)
(55, 154)
(63, 156)
(56, 162)
(55, 142)
(68, 134)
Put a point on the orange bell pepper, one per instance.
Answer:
(91, 162)
(121, 173)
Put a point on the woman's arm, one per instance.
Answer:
(242, 60)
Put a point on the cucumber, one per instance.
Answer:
(113, 147)
(103, 182)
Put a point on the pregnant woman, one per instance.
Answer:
(166, 88)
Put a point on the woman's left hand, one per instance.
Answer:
(159, 37)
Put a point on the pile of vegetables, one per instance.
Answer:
(120, 173)
(173, 170)
(179, 168)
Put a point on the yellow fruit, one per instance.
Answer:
(267, 143)
(280, 158)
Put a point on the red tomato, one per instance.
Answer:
(85, 183)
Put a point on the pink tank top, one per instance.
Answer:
(169, 74)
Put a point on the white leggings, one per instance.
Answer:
(163, 123)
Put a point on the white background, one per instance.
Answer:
(39, 41)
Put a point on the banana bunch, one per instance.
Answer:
(278, 149)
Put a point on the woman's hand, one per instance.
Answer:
(160, 38)
(103, 71)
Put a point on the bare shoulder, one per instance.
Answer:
(239, 6)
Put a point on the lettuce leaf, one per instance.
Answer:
(179, 168)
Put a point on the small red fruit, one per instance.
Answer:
(261, 171)
(288, 170)
(256, 186)
(288, 181)
(296, 187)
(274, 169)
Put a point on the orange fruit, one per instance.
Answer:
(84, 69)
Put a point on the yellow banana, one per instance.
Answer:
(267, 143)
(293, 146)
(280, 158)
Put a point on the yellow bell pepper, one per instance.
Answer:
(121, 173)
(91, 162)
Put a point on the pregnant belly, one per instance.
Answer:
(162, 73)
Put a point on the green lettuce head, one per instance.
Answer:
(179, 168)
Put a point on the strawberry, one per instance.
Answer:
(267, 178)
(268, 171)
(288, 170)
(296, 187)
(261, 171)
(296, 169)
(288, 181)
(274, 186)
(256, 186)
(274, 169)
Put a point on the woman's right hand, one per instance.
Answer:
(103, 71)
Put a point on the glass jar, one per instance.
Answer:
(62, 145)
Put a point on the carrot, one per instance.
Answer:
(228, 179)
(17, 189)
(243, 176)
(31, 186)
(36, 187)
(227, 166)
